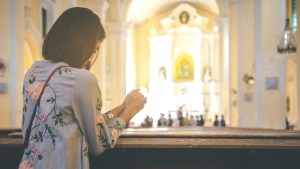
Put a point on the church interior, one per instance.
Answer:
(221, 78)
(204, 58)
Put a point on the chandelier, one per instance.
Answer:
(287, 43)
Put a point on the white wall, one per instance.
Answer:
(259, 23)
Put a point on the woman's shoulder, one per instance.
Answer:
(84, 75)
(84, 78)
(85, 83)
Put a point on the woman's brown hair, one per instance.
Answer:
(73, 37)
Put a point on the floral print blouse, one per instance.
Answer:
(68, 123)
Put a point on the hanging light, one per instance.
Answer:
(207, 75)
(287, 43)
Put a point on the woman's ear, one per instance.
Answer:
(93, 58)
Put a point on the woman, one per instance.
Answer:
(62, 118)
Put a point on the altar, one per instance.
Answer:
(184, 68)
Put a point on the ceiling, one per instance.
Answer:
(140, 10)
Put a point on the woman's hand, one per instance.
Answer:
(129, 95)
(134, 102)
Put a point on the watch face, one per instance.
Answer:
(110, 115)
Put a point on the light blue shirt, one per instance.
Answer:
(68, 123)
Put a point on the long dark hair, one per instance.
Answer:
(73, 37)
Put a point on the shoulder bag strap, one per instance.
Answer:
(28, 130)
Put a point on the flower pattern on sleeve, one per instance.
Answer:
(115, 134)
(116, 129)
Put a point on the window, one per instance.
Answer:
(44, 22)
(294, 16)
(48, 10)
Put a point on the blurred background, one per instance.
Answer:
(199, 62)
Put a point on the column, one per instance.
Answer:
(117, 28)
(233, 41)
(225, 59)
(116, 61)
(11, 50)
(273, 65)
(224, 71)
(246, 59)
(259, 79)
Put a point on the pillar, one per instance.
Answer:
(117, 28)
(116, 61)
(273, 102)
(11, 52)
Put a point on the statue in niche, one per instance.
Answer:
(184, 17)
(162, 73)
(184, 68)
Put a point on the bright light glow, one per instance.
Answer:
(207, 75)
(216, 29)
(214, 105)
(130, 66)
(144, 91)
(164, 96)
(153, 31)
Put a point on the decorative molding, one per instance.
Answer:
(184, 15)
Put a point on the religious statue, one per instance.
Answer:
(163, 73)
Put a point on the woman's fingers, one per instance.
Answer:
(135, 91)
(135, 101)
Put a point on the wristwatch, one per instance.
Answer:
(109, 115)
